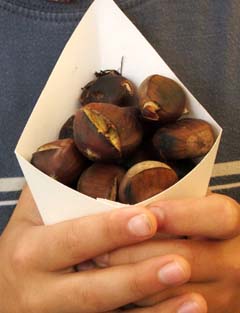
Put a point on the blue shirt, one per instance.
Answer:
(199, 40)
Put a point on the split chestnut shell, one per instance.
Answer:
(101, 181)
(161, 99)
(60, 159)
(103, 131)
(110, 87)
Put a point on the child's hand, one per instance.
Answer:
(37, 262)
(212, 225)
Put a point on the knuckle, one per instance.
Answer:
(21, 256)
(111, 232)
(230, 212)
(72, 239)
(137, 289)
(91, 299)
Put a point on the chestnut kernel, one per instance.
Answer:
(67, 129)
(101, 181)
(109, 87)
(161, 99)
(59, 159)
(144, 180)
(103, 131)
(186, 138)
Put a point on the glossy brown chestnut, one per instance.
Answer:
(59, 159)
(67, 129)
(161, 99)
(186, 138)
(110, 87)
(145, 180)
(101, 181)
(104, 131)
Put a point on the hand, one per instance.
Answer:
(215, 260)
(37, 262)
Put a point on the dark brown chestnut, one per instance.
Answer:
(110, 87)
(161, 99)
(145, 180)
(66, 130)
(59, 159)
(101, 181)
(103, 131)
(186, 138)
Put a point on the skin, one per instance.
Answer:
(212, 227)
(37, 262)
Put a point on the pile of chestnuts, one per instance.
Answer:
(124, 143)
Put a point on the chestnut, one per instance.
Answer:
(66, 130)
(161, 99)
(101, 181)
(103, 131)
(144, 180)
(186, 138)
(109, 87)
(59, 159)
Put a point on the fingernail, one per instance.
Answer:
(102, 260)
(159, 214)
(172, 274)
(140, 225)
(189, 307)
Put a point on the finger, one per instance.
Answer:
(76, 241)
(203, 256)
(215, 216)
(189, 303)
(217, 296)
(106, 289)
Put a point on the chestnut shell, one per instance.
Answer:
(103, 131)
(144, 180)
(186, 138)
(101, 181)
(66, 130)
(161, 99)
(110, 87)
(60, 159)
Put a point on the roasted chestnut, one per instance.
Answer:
(186, 138)
(101, 181)
(103, 131)
(144, 180)
(67, 129)
(110, 87)
(161, 99)
(60, 159)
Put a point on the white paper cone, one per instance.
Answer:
(101, 39)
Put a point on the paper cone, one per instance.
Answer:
(101, 39)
